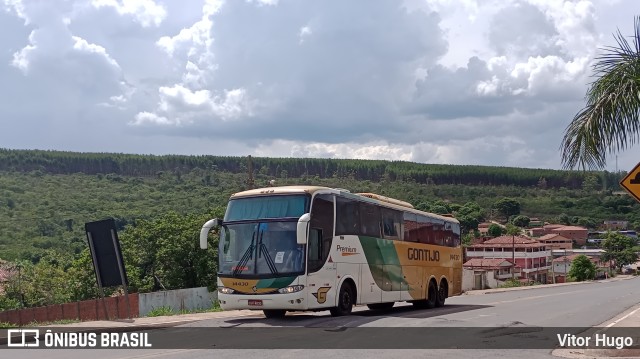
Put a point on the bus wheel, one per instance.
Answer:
(346, 299)
(381, 306)
(430, 302)
(274, 313)
(442, 294)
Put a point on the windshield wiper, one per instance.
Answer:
(245, 257)
(263, 249)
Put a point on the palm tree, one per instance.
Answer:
(609, 122)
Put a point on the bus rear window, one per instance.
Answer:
(283, 206)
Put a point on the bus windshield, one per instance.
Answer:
(263, 249)
(277, 206)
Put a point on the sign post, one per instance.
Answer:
(631, 183)
(107, 258)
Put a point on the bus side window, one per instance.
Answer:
(439, 234)
(347, 217)
(410, 227)
(392, 224)
(424, 230)
(322, 227)
(315, 244)
(370, 220)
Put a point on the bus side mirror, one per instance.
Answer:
(204, 232)
(301, 230)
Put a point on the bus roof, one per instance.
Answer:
(367, 197)
(279, 190)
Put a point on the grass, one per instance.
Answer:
(160, 311)
(6, 325)
(511, 283)
(164, 311)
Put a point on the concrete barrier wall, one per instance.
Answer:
(140, 305)
(177, 300)
(92, 309)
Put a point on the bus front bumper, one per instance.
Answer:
(291, 301)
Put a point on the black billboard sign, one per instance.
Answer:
(106, 253)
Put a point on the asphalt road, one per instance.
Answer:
(583, 305)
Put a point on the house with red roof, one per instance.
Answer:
(480, 273)
(562, 266)
(556, 241)
(532, 256)
(576, 234)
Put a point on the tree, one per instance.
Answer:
(467, 239)
(439, 209)
(582, 268)
(619, 249)
(512, 230)
(587, 222)
(507, 207)
(591, 183)
(467, 223)
(610, 120)
(521, 221)
(494, 230)
(165, 253)
(563, 218)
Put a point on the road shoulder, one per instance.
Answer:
(630, 318)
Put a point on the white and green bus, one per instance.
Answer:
(299, 248)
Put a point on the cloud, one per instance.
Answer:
(467, 82)
(146, 12)
(325, 67)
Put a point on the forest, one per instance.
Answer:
(160, 202)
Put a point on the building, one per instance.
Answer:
(483, 228)
(562, 266)
(479, 273)
(530, 255)
(535, 223)
(556, 241)
(598, 237)
(595, 253)
(615, 225)
(576, 234)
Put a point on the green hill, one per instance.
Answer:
(47, 196)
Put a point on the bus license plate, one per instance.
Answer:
(255, 302)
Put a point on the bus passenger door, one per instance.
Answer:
(322, 287)
(321, 278)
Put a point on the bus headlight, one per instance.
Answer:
(291, 289)
(225, 290)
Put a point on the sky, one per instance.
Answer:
(466, 82)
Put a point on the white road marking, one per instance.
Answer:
(621, 319)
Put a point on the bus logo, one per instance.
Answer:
(346, 251)
(321, 296)
(425, 255)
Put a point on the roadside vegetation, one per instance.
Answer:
(167, 311)
(160, 203)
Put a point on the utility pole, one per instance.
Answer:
(513, 256)
(565, 265)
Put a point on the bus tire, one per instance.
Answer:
(381, 306)
(274, 313)
(346, 300)
(443, 292)
(430, 302)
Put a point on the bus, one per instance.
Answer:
(310, 248)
